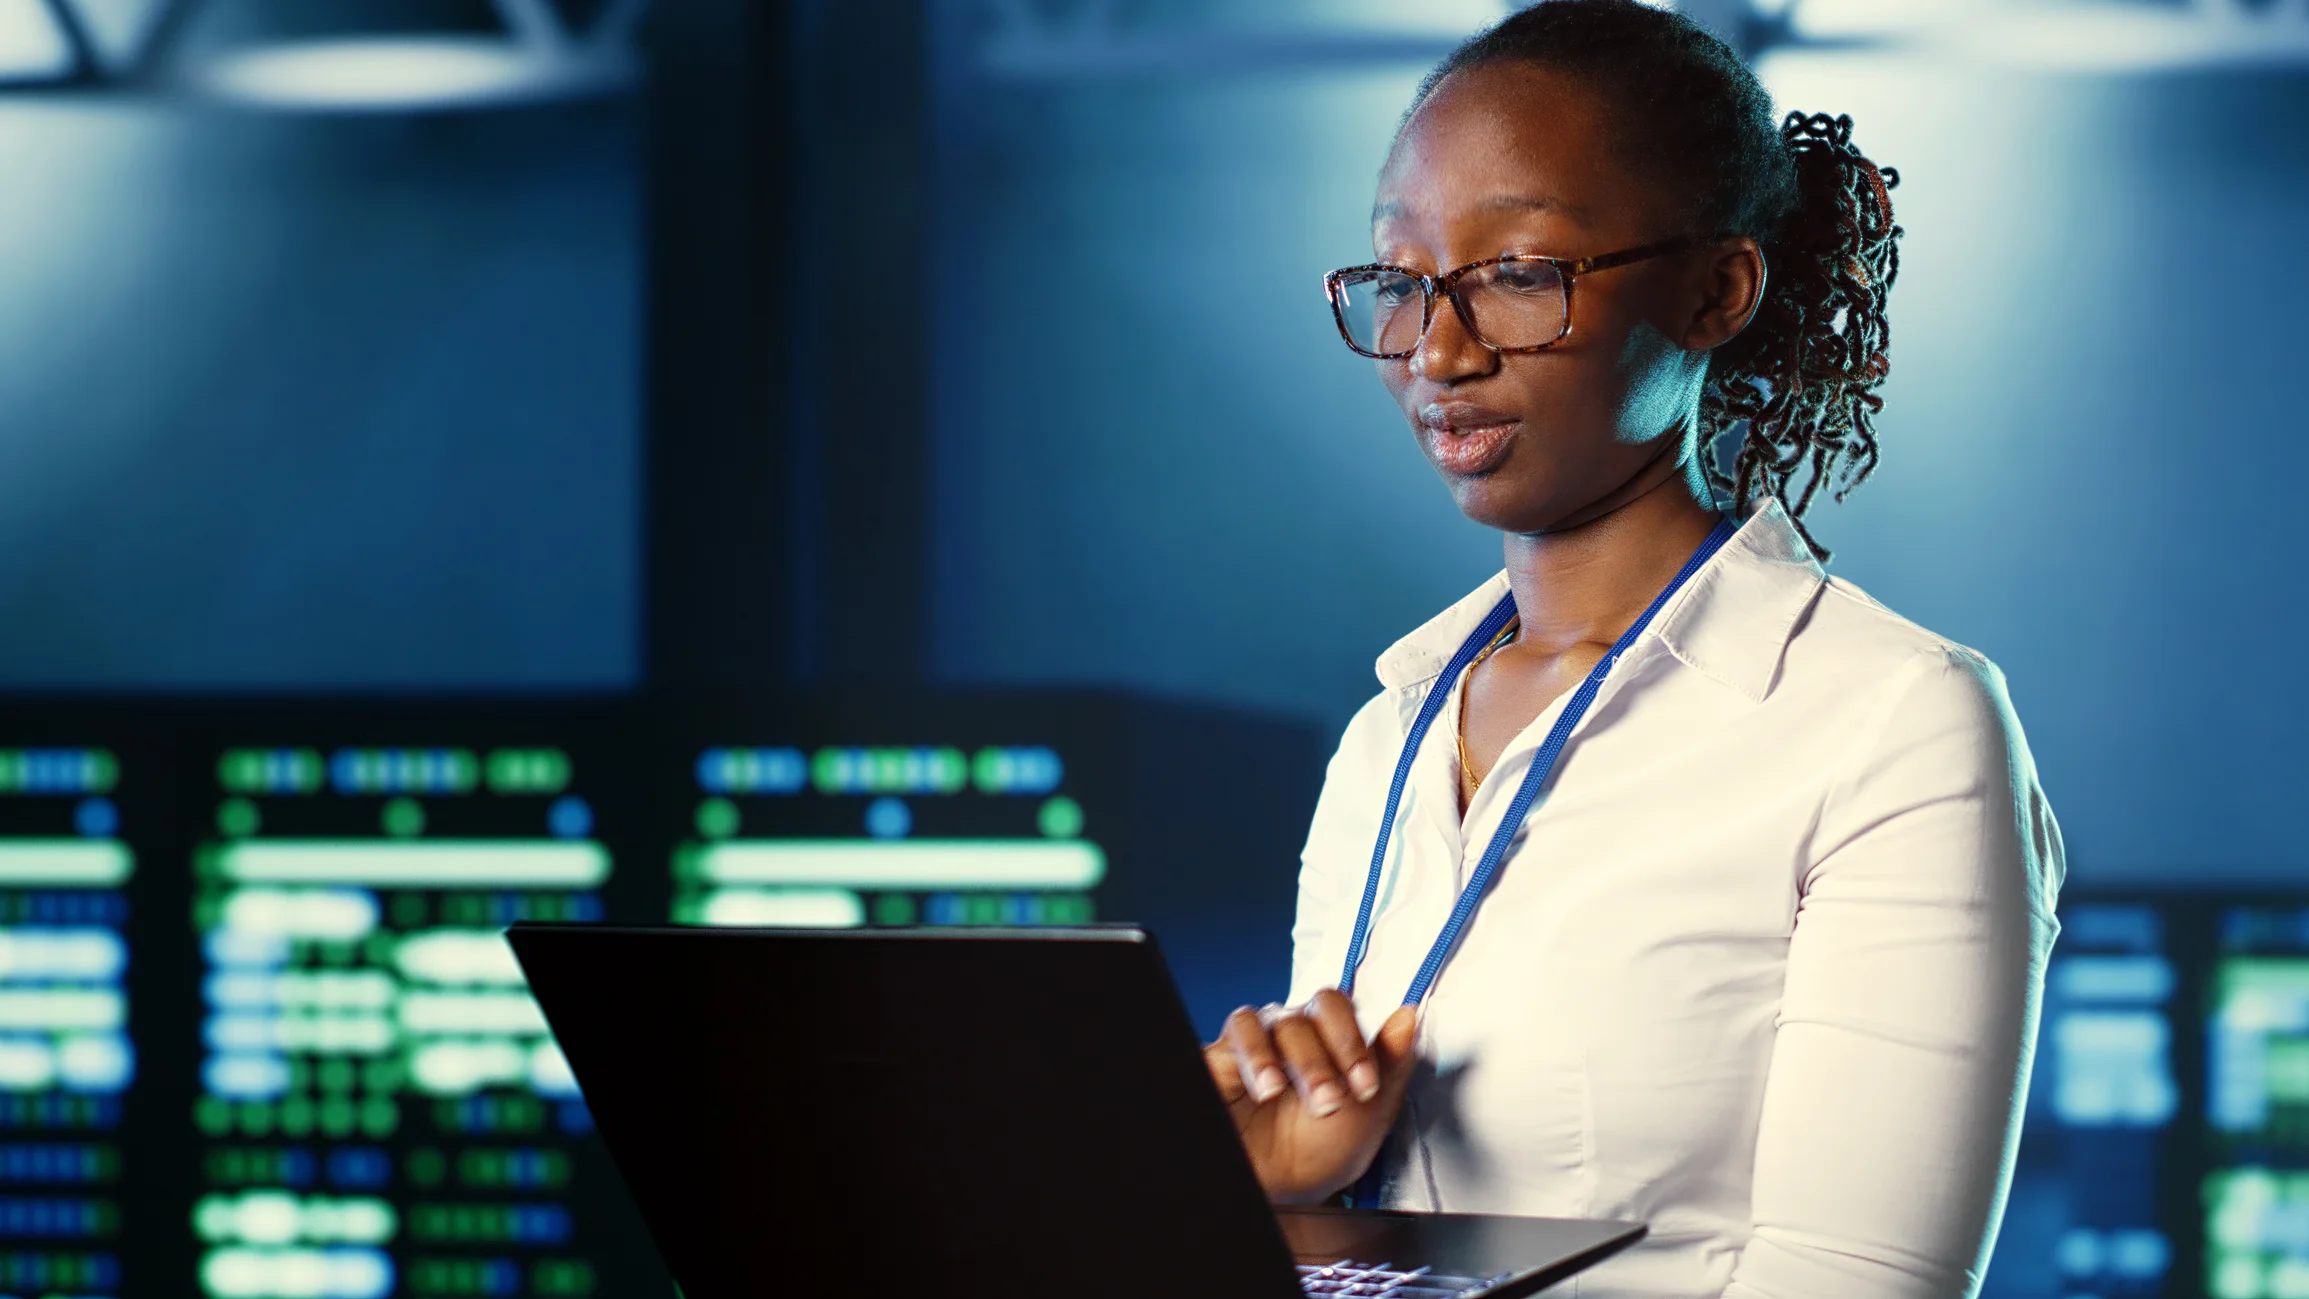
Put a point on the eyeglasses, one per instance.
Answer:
(1509, 304)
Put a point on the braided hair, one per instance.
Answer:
(1799, 384)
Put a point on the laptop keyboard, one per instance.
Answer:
(1370, 1281)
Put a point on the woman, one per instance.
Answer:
(1755, 956)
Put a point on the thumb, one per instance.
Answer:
(1396, 1049)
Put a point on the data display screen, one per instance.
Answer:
(2256, 1196)
(261, 1036)
(886, 835)
(67, 1060)
(2107, 1099)
(381, 1110)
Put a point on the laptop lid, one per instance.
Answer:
(962, 1112)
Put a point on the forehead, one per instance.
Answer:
(1507, 140)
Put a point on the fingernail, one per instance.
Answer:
(1271, 1084)
(1327, 1100)
(1366, 1080)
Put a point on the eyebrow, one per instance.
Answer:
(1386, 208)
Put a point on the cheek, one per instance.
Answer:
(1395, 377)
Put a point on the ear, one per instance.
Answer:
(1730, 278)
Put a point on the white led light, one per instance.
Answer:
(549, 1072)
(471, 1012)
(62, 1009)
(249, 1272)
(247, 947)
(30, 953)
(246, 1077)
(327, 915)
(336, 1034)
(457, 956)
(101, 1063)
(96, 863)
(454, 1067)
(796, 908)
(27, 1064)
(434, 863)
(906, 863)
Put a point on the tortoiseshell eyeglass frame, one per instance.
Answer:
(1567, 269)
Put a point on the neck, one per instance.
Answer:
(1588, 581)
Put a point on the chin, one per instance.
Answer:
(1497, 501)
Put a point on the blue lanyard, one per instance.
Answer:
(1542, 762)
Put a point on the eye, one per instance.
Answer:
(1395, 290)
(1525, 277)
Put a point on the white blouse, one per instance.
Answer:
(1763, 967)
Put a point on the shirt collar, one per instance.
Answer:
(1731, 622)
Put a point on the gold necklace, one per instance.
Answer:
(1469, 782)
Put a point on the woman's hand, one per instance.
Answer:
(1311, 1099)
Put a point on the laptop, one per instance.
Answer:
(962, 1112)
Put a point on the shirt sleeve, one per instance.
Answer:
(1338, 853)
(1915, 971)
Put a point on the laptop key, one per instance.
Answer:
(1378, 1281)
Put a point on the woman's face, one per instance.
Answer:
(1511, 158)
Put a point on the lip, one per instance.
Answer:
(1466, 439)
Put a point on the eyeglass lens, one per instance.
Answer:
(1514, 304)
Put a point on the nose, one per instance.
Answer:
(1449, 352)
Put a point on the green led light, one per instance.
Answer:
(409, 910)
(237, 818)
(528, 771)
(380, 1117)
(296, 1116)
(426, 1166)
(1060, 818)
(256, 1118)
(894, 909)
(337, 1116)
(403, 818)
(335, 1075)
(269, 771)
(1066, 909)
(717, 818)
(888, 771)
(213, 1115)
(562, 1276)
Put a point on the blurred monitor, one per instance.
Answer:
(67, 1058)
(380, 1108)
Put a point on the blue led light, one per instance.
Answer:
(24, 1216)
(540, 1224)
(51, 1163)
(752, 771)
(96, 818)
(570, 817)
(575, 1118)
(889, 818)
(297, 1166)
(360, 1166)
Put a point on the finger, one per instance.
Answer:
(1334, 1019)
(1308, 1061)
(1225, 1075)
(1255, 1057)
